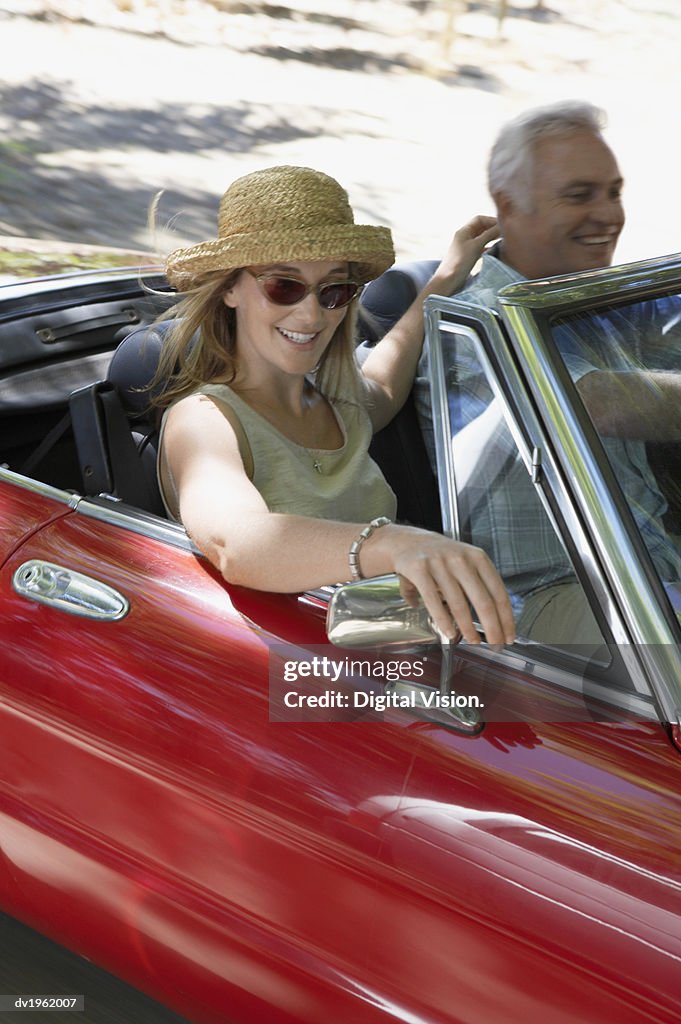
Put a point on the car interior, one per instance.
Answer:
(74, 399)
(53, 342)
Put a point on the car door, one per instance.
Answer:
(549, 840)
(153, 817)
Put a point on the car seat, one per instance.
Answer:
(116, 428)
(399, 448)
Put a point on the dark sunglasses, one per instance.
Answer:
(288, 291)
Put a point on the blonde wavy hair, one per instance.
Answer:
(200, 347)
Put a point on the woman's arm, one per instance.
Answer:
(229, 522)
(391, 365)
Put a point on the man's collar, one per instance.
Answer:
(493, 258)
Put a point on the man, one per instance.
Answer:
(557, 189)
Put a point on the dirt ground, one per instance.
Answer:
(105, 102)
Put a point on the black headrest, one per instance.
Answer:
(134, 366)
(385, 300)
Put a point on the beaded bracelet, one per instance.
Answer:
(353, 553)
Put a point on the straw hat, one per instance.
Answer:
(280, 215)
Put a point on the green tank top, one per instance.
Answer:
(343, 483)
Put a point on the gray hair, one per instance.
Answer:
(510, 163)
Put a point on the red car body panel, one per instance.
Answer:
(23, 511)
(154, 819)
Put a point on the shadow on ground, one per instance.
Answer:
(45, 115)
(279, 13)
(88, 207)
(46, 190)
(344, 58)
(543, 14)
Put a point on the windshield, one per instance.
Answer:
(626, 364)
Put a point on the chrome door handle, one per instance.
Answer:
(69, 591)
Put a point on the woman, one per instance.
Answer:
(264, 447)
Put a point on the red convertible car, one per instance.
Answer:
(202, 792)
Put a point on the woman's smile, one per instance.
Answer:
(298, 337)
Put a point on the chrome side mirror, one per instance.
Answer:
(371, 613)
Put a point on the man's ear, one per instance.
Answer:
(505, 205)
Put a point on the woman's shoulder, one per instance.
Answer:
(218, 389)
(220, 393)
(202, 403)
(223, 407)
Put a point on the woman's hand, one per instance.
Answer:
(465, 249)
(449, 577)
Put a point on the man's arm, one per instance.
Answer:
(635, 405)
(391, 365)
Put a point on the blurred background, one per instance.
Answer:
(105, 102)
